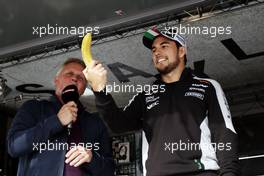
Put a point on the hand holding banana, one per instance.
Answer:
(95, 73)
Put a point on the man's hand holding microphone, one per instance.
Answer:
(68, 113)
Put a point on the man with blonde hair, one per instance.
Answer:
(45, 146)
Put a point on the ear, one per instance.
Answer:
(182, 52)
(55, 80)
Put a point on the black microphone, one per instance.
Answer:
(70, 93)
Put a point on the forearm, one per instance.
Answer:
(227, 152)
(224, 134)
(22, 140)
(119, 120)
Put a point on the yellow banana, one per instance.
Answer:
(86, 49)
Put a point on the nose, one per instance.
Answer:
(156, 53)
(74, 78)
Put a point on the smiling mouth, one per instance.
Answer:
(160, 60)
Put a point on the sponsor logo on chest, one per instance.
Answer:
(152, 101)
(194, 94)
(196, 90)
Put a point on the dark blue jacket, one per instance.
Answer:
(36, 123)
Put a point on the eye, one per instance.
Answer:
(80, 78)
(164, 46)
(68, 74)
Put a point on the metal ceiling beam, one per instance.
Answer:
(117, 29)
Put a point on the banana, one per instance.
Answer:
(86, 49)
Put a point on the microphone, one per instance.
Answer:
(70, 93)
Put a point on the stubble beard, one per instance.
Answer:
(169, 67)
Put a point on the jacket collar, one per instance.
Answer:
(56, 102)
